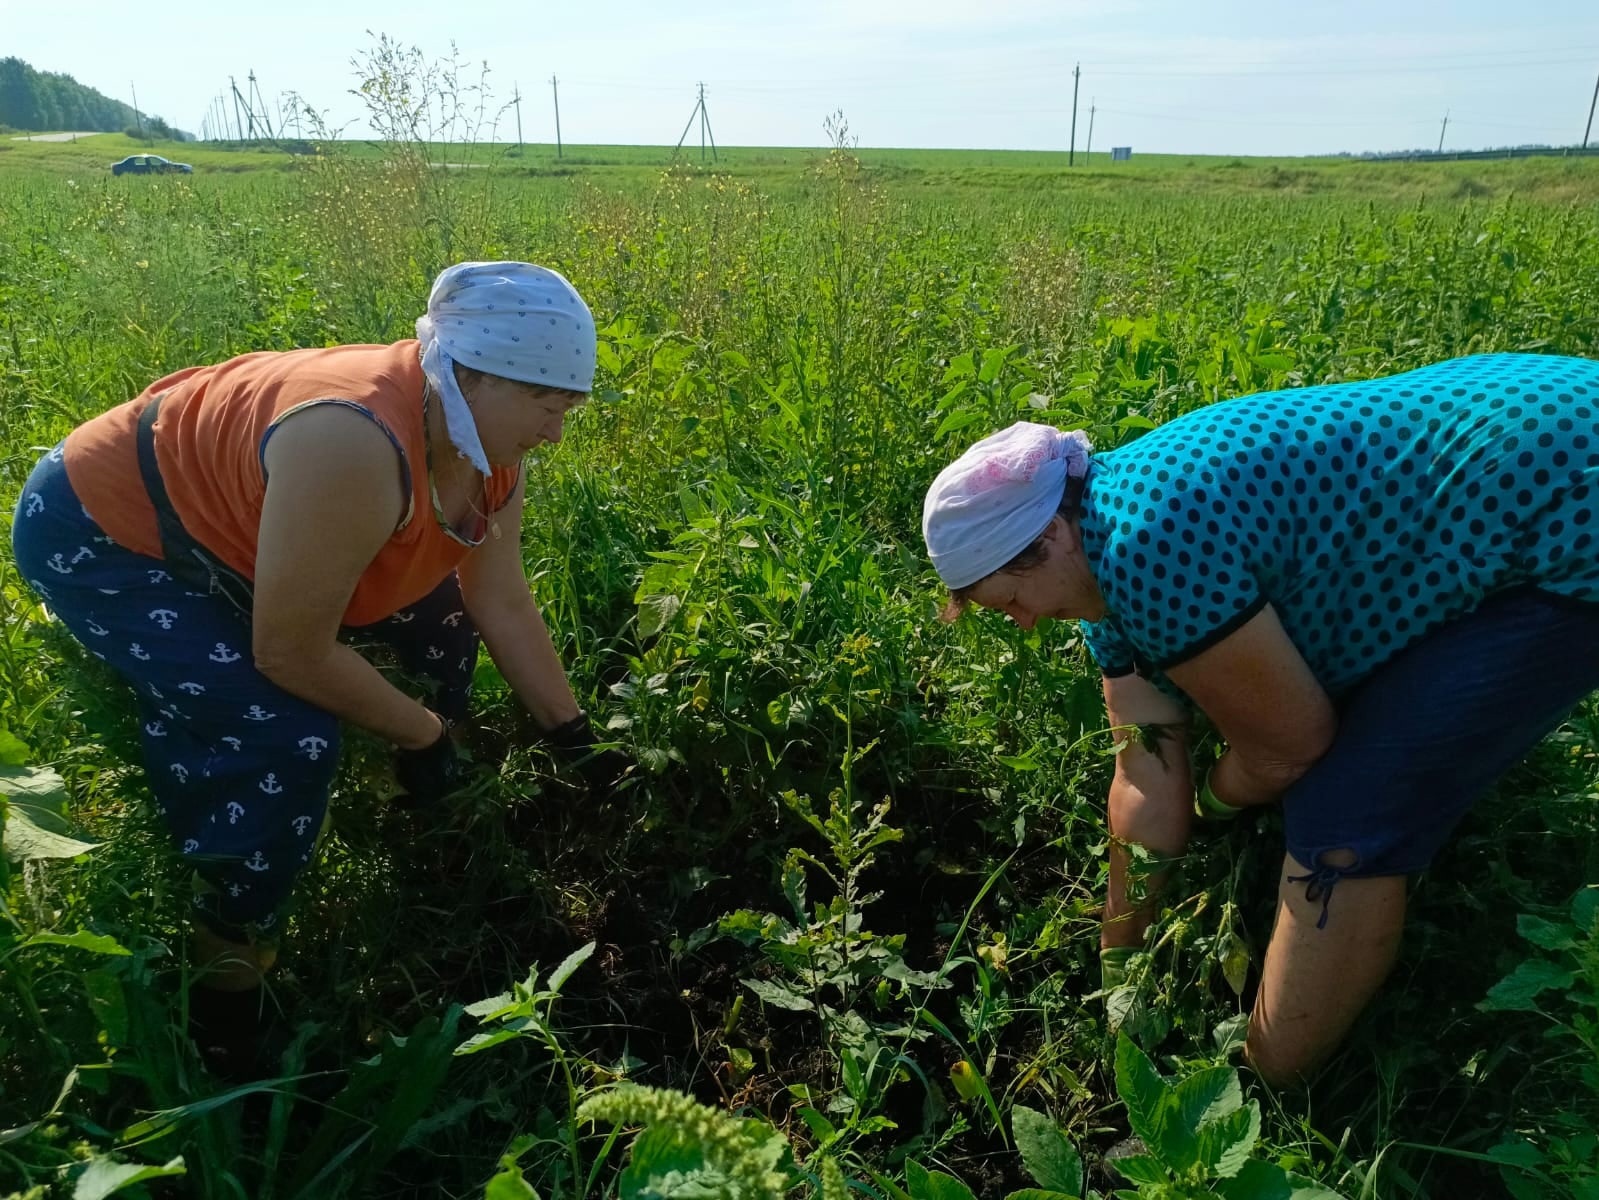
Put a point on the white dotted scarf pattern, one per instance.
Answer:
(510, 319)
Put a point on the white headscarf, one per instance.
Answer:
(990, 504)
(511, 319)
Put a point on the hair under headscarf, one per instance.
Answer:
(511, 319)
(993, 501)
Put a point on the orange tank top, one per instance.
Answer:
(209, 442)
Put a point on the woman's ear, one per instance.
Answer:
(467, 380)
(1059, 534)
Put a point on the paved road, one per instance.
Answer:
(52, 137)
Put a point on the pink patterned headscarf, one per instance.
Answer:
(989, 505)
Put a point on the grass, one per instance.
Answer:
(1546, 180)
(727, 550)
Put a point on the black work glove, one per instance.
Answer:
(600, 770)
(430, 773)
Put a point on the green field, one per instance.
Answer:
(727, 549)
(1549, 180)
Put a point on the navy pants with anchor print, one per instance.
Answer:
(239, 769)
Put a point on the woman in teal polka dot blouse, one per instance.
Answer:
(1381, 594)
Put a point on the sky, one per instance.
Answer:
(1245, 77)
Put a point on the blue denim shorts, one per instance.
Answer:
(1430, 731)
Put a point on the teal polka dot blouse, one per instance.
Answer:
(1367, 514)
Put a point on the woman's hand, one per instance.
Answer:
(1259, 692)
(433, 772)
(600, 770)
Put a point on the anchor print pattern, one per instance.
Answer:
(220, 765)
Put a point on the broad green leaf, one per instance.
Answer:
(24, 839)
(1049, 1158)
(1041, 1194)
(779, 996)
(569, 964)
(934, 1185)
(993, 363)
(14, 752)
(1230, 1035)
(1274, 362)
(1017, 762)
(1134, 421)
(483, 1041)
(655, 613)
(1148, 1098)
(105, 1177)
(1516, 1151)
(33, 787)
(99, 943)
(1208, 1095)
(1585, 908)
(1259, 1180)
(663, 1164)
(956, 421)
(1234, 959)
(1224, 1146)
(1139, 1168)
(1546, 935)
(819, 1125)
(901, 972)
(508, 1184)
(504, 1002)
(1518, 991)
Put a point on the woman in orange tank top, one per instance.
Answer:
(218, 539)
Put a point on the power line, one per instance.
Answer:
(1140, 68)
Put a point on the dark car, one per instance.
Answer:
(149, 164)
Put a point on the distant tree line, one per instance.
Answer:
(37, 101)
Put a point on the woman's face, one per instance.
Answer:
(513, 418)
(1057, 588)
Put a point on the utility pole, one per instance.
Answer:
(1591, 104)
(704, 116)
(1442, 131)
(137, 119)
(255, 99)
(555, 91)
(238, 123)
(1089, 150)
(1071, 155)
(517, 100)
(249, 113)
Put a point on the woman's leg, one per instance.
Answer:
(436, 642)
(238, 769)
(1317, 980)
(1417, 745)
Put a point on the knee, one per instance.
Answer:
(227, 965)
(1280, 1065)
